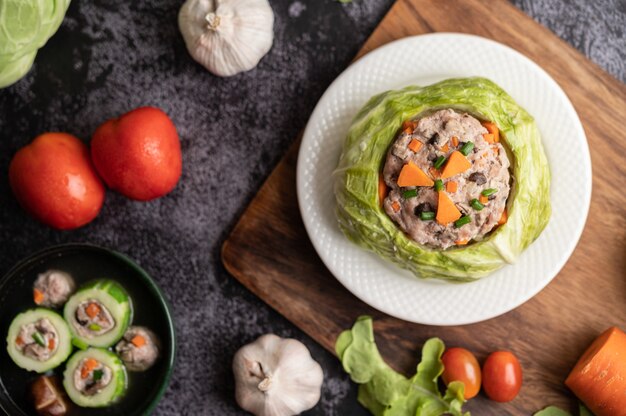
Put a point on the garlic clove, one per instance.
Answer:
(228, 36)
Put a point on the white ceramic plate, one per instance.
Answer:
(423, 60)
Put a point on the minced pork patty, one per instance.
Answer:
(441, 134)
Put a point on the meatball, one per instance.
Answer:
(476, 193)
(139, 348)
(53, 288)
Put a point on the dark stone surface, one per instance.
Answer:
(111, 56)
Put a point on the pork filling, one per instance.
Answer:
(91, 376)
(38, 340)
(448, 178)
(53, 288)
(93, 318)
(138, 348)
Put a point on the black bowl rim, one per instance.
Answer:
(171, 359)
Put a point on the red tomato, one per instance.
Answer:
(502, 376)
(461, 365)
(53, 179)
(138, 154)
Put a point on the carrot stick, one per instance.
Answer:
(455, 141)
(483, 199)
(38, 296)
(382, 190)
(415, 145)
(599, 377)
(492, 129)
(503, 218)
(51, 344)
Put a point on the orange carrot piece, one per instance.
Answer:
(19, 341)
(412, 175)
(447, 212)
(457, 163)
(434, 172)
(599, 377)
(415, 145)
(395, 206)
(445, 148)
(382, 190)
(455, 141)
(461, 242)
(88, 367)
(483, 199)
(452, 187)
(489, 138)
(492, 129)
(51, 344)
(503, 218)
(139, 341)
(38, 296)
(409, 124)
(92, 310)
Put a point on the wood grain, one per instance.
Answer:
(270, 253)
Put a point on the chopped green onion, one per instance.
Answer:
(489, 191)
(467, 148)
(439, 162)
(411, 193)
(39, 339)
(94, 327)
(97, 375)
(427, 215)
(476, 204)
(438, 185)
(465, 219)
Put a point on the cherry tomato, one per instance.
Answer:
(461, 365)
(502, 376)
(138, 154)
(53, 179)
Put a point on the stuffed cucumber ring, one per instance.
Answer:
(438, 220)
(95, 378)
(98, 314)
(39, 340)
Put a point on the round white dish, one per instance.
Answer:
(423, 60)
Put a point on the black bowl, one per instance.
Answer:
(85, 263)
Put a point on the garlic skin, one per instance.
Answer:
(276, 377)
(227, 36)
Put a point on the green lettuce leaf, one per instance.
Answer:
(373, 130)
(384, 391)
(25, 26)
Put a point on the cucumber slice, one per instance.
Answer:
(63, 340)
(108, 394)
(116, 301)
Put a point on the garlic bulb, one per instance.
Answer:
(276, 377)
(227, 36)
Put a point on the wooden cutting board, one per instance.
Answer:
(270, 253)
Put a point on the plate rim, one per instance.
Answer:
(587, 185)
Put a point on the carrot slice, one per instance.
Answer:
(489, 138)
(447, 212)
(51, 344)
(19, 341)
(38, 296)
(483, 199)
(503, 218)
(457, 163)
(415, 145)
(492, 129)
(412, 175)
(461, 242)
(455, 141)
(452, 186)
(599, 377)
(395, 206)
(89, 365)
(382, 190)
(445, 148)
(409, 124)
(139, 341)
(92, 310)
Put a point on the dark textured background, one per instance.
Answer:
(111, 56)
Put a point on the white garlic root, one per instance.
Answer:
(227, 36)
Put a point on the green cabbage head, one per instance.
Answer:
(373, 130)
(25, 26)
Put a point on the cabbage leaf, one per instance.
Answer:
(364, 221)
(25, 26)
(383, 391)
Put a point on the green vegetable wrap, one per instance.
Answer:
(98, 314)
(39, 340)
(95, 378)
(372, 132)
